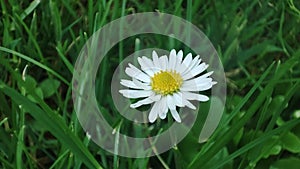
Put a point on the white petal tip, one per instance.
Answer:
(178, 120)
(163, 116)
(205, 100)
(154, 53)
(133, 106)
(191, 106)
(151, 120)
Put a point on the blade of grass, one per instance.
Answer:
(293, 7)
(202, 158)
(3, 121)
(90, 16)
(32, 37)
(19, 149)
(226, 121)
(59, 159)
(35, 63)
(56, 20)
(277, 112)
(54, 123)
(276, 115)
(106, 12)
(30, 8)
(260, 140)
(6, 163)
(64, 58)
(280, 31)
(69, 8)
(116, 132)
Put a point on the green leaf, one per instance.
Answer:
(49, 87)
(288, 163)
(38, 91)
(30, 83)
(291, 142)
(271, 147)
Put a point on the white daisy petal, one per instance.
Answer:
(146, 66)
(186, 62)
(133, 85)
(145, 101)
(178, 99)
(195, 96)
(148, 61)
(172, 107)
(179, 56)
(171, 102)
(194, 82)
(144, 86)
(163, 62)
(195, 62)
(195, 71)
(163, 108)
(172, 60)
(142, 102)
(129, 83)
(136, 93)
(203, 77)
(155, 59)
(198, 87)
(200, 80)
(178, 60)
(150, 66)
(189, 104)
(163, 115)
(207, 86)
(154, 112)
(176, 115)
(134, 72)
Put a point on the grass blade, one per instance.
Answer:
(54, 123)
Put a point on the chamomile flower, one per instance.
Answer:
(167, 82)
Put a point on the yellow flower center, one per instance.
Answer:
(166, 82)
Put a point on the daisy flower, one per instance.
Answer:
(168, 82)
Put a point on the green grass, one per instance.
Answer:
(258, 44)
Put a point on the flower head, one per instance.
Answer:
(167, 82)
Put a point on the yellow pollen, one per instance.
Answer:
(166, 82)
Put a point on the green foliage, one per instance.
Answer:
(257, 41)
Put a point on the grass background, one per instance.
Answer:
(257, 41)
